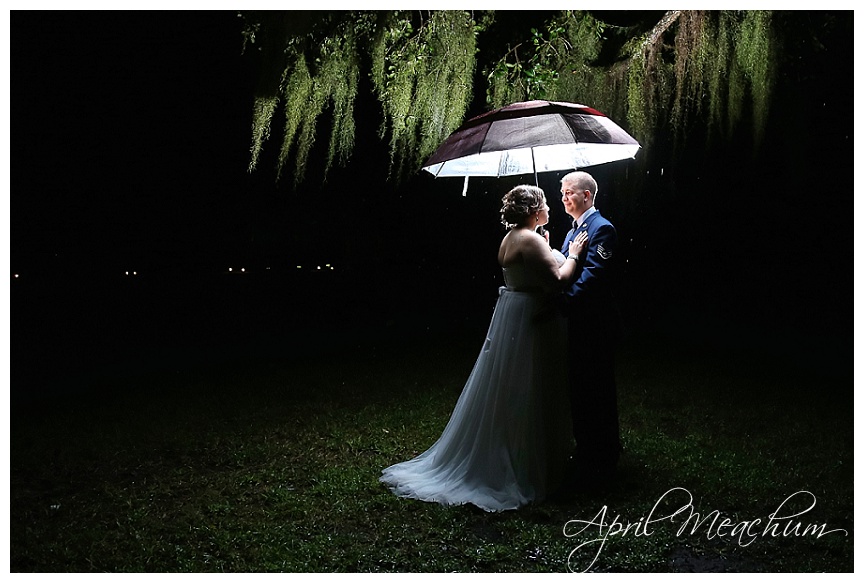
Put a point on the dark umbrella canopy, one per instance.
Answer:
(531, 137)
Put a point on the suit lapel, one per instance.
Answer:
(573, 232)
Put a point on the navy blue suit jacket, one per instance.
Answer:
(589, 297)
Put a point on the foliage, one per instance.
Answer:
(691, 66)
(424, 81)
(667, 76)
(756, 55)
(262, 114)
(422, 77)
(305, 94)
(556, 63)
(306, 97)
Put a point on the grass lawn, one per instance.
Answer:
(269, 461)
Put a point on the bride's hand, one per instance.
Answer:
(578, 245)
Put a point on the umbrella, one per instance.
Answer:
(531, 137)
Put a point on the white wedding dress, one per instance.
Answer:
(509, 436)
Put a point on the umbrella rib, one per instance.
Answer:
(483, 139)
(569, 129)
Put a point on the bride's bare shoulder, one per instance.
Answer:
(533, 241)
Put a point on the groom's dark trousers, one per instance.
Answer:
(594, 328)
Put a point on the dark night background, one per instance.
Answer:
(130, 136)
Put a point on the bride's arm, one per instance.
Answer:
(538, 255)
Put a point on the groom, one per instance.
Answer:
(593, 329)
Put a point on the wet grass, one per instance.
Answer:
(270, 463)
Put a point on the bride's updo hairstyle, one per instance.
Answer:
(524, 200)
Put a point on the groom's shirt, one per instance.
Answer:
(581, 220)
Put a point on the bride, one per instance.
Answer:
(509, 436)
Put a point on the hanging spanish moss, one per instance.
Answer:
(756, 54)
(716, 68)
(689, 62)
(423, 79)
(261, 116)
(424, 82)
(305, 97)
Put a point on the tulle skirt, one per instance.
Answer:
(509, 435)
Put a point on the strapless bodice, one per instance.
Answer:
(517, 277)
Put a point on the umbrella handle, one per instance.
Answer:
(534, 165)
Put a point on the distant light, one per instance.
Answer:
(230, 269)
(127, 273)
(134, 273)
(299, 267)
(267, 268)
(243, 269)
(15, 276)
(319, 267)
(328, 265)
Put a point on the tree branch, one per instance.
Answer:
(668, 19)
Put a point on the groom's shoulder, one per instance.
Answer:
(597, 221)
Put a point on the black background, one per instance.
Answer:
(130, 136)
